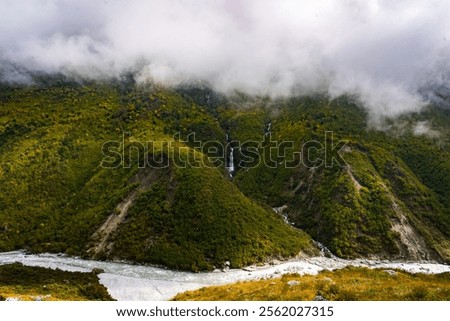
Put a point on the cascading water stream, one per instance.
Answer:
(230, 164)
(268, 129)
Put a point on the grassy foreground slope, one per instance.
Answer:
(57, 197)
(26, 283)
(349, 284)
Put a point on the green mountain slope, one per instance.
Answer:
(116, 170)
(63, 190)
(388, 199)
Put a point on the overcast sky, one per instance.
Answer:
(383, 51)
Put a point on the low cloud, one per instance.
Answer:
(422, 128)
(391, 54)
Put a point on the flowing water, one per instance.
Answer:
(137, 282)
(230, 166)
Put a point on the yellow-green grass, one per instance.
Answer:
(348, 284)
(52, 292)
(36, 283)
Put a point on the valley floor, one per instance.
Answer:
(148, 283)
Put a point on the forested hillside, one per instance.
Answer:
(112, 170)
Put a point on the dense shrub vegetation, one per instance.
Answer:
(57, 197)
(55, 193)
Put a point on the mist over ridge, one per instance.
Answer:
(390, 55)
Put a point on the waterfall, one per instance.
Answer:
(230, 166)
(267, 129)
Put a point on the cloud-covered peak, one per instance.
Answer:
(383, 51)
